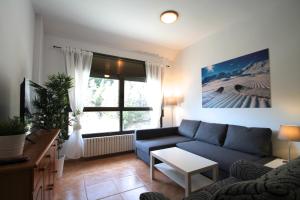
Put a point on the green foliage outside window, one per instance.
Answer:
(105, 92)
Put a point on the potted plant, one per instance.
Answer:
(12, 137)
(53, 110)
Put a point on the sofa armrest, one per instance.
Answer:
(153, 133)
(152, 196)
(246, 170)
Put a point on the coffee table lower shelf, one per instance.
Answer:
(198, 181)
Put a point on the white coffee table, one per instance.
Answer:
(183, 168)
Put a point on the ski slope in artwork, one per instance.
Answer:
(243, 82)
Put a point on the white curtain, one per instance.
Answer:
(154, 74)
(78, 66)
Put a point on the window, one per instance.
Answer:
(102, 92)
(133, 120)
(97, 122)
(116, 101)
(135, 95)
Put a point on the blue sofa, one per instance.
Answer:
(221, 143)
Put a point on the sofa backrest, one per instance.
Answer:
(211, 133)
(249, 140)
(188, 128)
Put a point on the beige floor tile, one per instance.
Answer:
(128, 183)
(122, 177)
(134, 194)
(101, 190)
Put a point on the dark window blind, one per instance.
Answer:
(115, 67)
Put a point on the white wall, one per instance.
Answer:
(53, 61)
(280, 32)
(16, 52)
(38, 49)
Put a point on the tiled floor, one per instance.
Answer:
(122, 177)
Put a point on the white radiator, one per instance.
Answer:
(98, 146)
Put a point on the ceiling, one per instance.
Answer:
(135, 24)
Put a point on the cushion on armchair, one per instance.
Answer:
(247, 170)
(152, 196)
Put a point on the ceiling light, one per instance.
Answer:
(169, 16)
(106, 75)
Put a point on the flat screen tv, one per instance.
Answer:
(27, 96)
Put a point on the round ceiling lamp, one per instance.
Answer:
(169, 16)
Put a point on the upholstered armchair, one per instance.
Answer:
(251, 181)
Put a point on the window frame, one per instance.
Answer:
(121, 108)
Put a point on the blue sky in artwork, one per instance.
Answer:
(235, 64)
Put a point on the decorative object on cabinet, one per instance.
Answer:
(12, 138)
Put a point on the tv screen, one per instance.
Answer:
(27, 97)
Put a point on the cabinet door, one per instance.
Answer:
(53, 170)
(38, 191)
(49, 177)
(39, 195)
(46, 184)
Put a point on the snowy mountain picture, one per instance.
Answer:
(242, 82)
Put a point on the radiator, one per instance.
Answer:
(98, 146)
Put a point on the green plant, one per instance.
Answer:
(13, 126)
(52, 104)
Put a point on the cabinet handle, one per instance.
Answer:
(41, 169)
(49, 188)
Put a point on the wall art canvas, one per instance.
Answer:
(242, 82)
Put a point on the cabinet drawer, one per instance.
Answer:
(37, 176)
(42, 168)
(45, 162)
(38, 191)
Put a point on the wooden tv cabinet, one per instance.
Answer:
(35, 178)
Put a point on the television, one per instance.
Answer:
(27, 96)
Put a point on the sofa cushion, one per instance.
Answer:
(188, 128)
(224, 157)
(211, 133)
(250, 140)
(159, 143)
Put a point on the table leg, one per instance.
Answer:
(152, 162)
(188, 186)
(215, 173)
